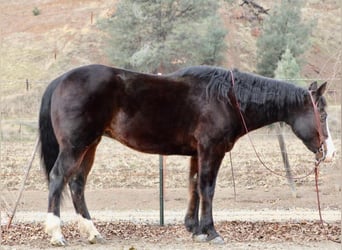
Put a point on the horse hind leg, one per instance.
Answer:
(77, 187)
(67, 161)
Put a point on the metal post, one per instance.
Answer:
(161, 189)
(161, 186)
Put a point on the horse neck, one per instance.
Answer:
(278, 106)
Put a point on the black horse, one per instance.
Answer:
(194, 111)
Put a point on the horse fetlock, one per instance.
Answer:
(191, 224)
(88, 229)
(53, 228)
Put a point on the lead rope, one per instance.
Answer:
(315, 169)
(317, 193)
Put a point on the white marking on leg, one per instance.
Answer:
(53, 228)
(330, 146)
(88, 229)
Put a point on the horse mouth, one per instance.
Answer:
(329, 158)
(323, 154)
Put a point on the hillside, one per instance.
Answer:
(65, 35)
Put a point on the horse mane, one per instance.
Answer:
(216, 78)
(265, 91)
(249, 89)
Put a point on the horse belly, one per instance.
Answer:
(150, 136)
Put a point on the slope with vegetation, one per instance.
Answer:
(41, 39)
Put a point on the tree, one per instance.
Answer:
(282, 29)
(284, 38)
(162, 35)
(288, 68)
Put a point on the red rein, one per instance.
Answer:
(321, 141)
(317, 192)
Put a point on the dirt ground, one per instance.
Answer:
(124, 201)
(138, 208)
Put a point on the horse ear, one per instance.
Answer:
(322, 89)
(313, 86)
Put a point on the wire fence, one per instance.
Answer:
(18, 130)
(117, 166)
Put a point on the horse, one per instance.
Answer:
(197, 111)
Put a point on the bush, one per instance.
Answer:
(36, 11)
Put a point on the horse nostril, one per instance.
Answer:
(330, 157)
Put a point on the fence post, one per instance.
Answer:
(161, 186)
(161, 190)
(27, 85)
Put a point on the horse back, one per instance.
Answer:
(150, 113)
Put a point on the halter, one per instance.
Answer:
(322, 148)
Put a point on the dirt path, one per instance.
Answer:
(132, 217)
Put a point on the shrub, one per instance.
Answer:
(36, 11)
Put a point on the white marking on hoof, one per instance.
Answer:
(88, 229)
(199, 237)
(217, 241)
(53, 228)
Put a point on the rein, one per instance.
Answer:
(319, 131)
(321, 149)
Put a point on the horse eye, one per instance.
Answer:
(323, 117)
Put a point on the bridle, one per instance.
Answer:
(322, 148)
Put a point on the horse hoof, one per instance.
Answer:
(60, 242)
(97, 239)
(217, 241)
(199, 237)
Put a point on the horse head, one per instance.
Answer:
(311, 124)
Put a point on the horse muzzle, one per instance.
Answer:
(330, 150)
(324, 154)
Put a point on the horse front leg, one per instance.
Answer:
(77, 187)
(209, 163)
(191, 217)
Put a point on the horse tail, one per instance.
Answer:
(49, 147)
